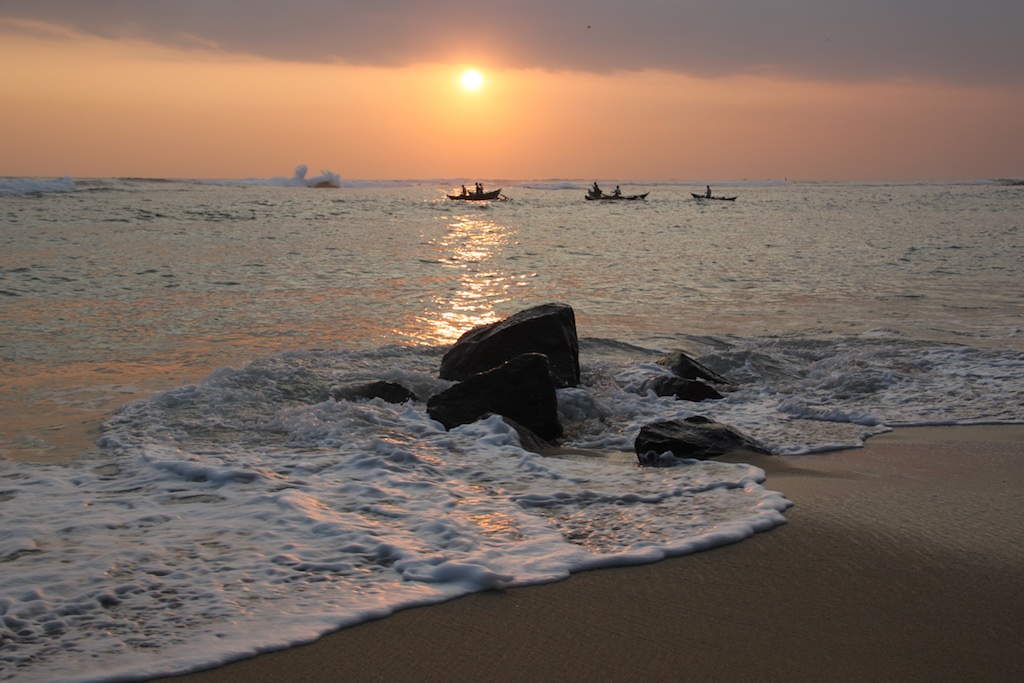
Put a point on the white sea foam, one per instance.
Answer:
(298, 179)
(33, 185)
(252, 511)
(223, 519)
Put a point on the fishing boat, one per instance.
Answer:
(595, 193)
(721, 199)
(477, 196)
(612, 197)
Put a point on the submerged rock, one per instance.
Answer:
(521, 389)
(548, 329)
(527, 439)
(388, 391)
(694, 437)
(685, 367)
(684, 389)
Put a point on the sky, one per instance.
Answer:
(646, 90)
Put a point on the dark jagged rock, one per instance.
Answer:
(683, 366)
(388, 391)
(549, 329)
(521, 389)
(695, 437)
(685, 389)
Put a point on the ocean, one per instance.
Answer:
(178, 490)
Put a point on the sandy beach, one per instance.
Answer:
(901, 561)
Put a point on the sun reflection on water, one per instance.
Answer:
(471, 252)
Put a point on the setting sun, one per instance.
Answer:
(472, 80)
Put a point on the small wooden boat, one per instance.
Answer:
(615, 197)
(476, 196)
(721, 199)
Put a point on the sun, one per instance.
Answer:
(472, 79)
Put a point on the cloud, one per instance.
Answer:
(945, 40)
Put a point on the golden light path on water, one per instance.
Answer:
(470, 248)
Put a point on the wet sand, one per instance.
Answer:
(902, 561)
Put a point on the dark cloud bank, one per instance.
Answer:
(947, 40)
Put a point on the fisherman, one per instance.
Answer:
(464, 191)
(596, 191)
(618, 192)
(708, 193)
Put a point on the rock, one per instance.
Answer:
(527, 439)
(548, 329)
(695, 437)
(685, 389)
(388, 391)
(520, 389)
(683, 366)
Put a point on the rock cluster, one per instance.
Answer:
(513, 368)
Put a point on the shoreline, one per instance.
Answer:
(900, 561)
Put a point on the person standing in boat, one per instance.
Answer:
(596, 192)
(708, 192)
(464, 191)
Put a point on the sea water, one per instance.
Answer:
(178, 489)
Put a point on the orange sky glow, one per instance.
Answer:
(91, 107)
